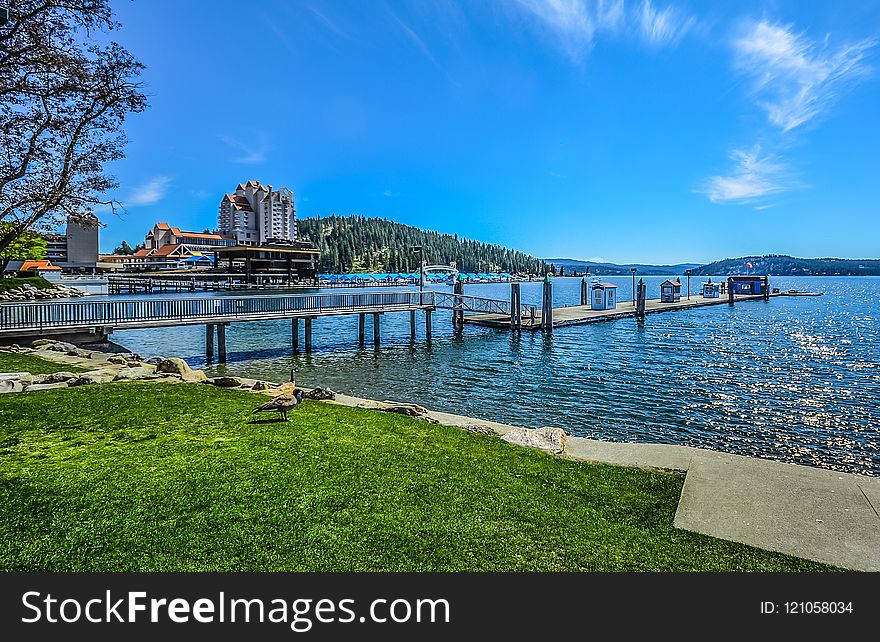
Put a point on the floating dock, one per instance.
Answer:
(583, 314)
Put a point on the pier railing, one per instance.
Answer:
(469, 303)
(143, 312)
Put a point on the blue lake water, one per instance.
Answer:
(794, 379)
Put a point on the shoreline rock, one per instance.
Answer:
(27, 292)
(548, 439)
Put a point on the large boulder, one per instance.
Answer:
(42, 342)
(93, 376)
(194, 376)
(58, 377)
(62, 346)
(408, 409)
(225, 382)
(173, 365)
(117, 359)
(321, 394)
(133, 374)
(10, 385)
(44, 386)
(551, 440)
(12, 375)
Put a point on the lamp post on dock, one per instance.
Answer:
(688, 272)
(633, 270)
(418, 249)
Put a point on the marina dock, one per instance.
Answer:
(583, 314)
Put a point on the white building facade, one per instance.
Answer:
(256, 214)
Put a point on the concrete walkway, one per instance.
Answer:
(803, 511)
(808, 512)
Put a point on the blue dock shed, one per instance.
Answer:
(670, 291)
(749, 284)
(711, 290)
(604, 296)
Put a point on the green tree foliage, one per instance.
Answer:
(123, 249)
(360, 244)
(26, 247)
(65, 92)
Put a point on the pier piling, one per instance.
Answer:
(361, 324)
(376, 329)
(458, 307)
(294, 332)
(308, 333)
(515, 306)
(547, 305)
(641, 298)
(209, 341)
(221, 342)
(428, 324)
(585, 292)
(412, 325)
(730, 290)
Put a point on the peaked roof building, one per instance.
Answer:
(256, 214)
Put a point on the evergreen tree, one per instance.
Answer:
(357, 243)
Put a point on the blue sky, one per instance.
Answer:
(627, 131)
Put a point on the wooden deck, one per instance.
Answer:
(583, 314)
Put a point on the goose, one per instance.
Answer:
(282, 403)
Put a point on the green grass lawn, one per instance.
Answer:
(16, 362)
(163, 477)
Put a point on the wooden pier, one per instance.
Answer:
(583, 314)
(149, 285)
(98, 319)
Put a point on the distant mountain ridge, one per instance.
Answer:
(783, 265)
(614, 269)
(772, 264)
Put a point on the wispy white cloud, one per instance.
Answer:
(150, 192)
(575, 24)
(250, 153)
(330, 24)
(416, 40)
(795, 79)
(661, 27)
(754, 175)
(388, 193)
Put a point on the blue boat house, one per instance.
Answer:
(749, 284)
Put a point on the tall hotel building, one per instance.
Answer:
(258, 215)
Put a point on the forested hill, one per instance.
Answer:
(359, 244)
(780, 265)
